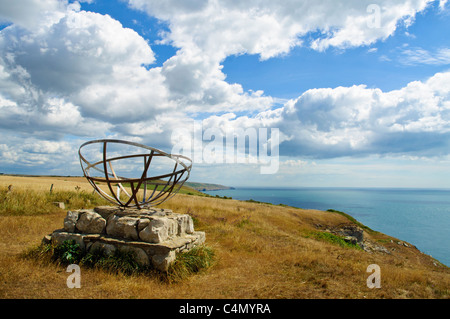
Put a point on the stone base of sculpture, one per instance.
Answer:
(154, 235)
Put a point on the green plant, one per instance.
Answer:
(69, 252)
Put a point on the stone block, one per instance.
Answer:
(153, 235)
(138, 253)
(185, 224)
(90, 222)
(122, 227)
(158, 230)
(162, 262)
(70, 221)
(108, 249)
(60, 237)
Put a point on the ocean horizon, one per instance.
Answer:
(418, 216)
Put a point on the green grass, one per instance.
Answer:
(331, 238)
(191, 262)
(69, 252)
(30, 202)
(352, 220)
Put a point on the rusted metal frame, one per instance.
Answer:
(170, 193)
(135, 180)
(150, 157)
(119, 184)
(133, 192)
(173, 193)
(175, 175)
(146, 166)
(162, 153)
(91, 181)
(163, 191)
(105, 167)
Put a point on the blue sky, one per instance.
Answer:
(357, 104)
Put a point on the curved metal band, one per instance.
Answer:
(169, 188)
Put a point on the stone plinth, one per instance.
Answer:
(154, 235)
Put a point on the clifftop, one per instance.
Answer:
(206, 186)
(262, 251)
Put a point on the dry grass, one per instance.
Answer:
(262, 251)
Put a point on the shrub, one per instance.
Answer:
(69, 252)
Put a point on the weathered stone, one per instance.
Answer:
(108, 249)
(370, 247)
(162, 262)
(123, 227)
(60, 237)
(91, 223)
(70, 221)
(352, 231)
(46, 240)
(154, 235)
(143, 222)
(60, 205)
(106, 211)
(185, 225)
(159, 230)
(138, 253)
(351, 239)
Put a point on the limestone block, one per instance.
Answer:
(90, 222)
(108, 249)
(122, 227)
(59, 237)
(138, 253)
(70, 221)
(143, 222)
(106, 211)
(154, 235)
(162, 262)
(185, 224)
(159, 230)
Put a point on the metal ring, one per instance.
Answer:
(161, 187)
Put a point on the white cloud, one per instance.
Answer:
(208, 31)
(87, 62)
(31, 14)
(68, 72)
(359, 120)
(270, 28)
(415, 56)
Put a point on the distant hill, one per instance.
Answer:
(206, 186)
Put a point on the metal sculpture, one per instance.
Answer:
(156, 189)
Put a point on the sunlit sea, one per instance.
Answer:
(418, 216)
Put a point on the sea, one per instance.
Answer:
(418, 216)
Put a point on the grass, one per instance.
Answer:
(353, 220)
(331, 238)
(69, 252)
(30, 202)
(259, 251)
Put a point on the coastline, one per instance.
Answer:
(395, 211)
(262, 251)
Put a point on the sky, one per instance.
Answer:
(358, 91)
